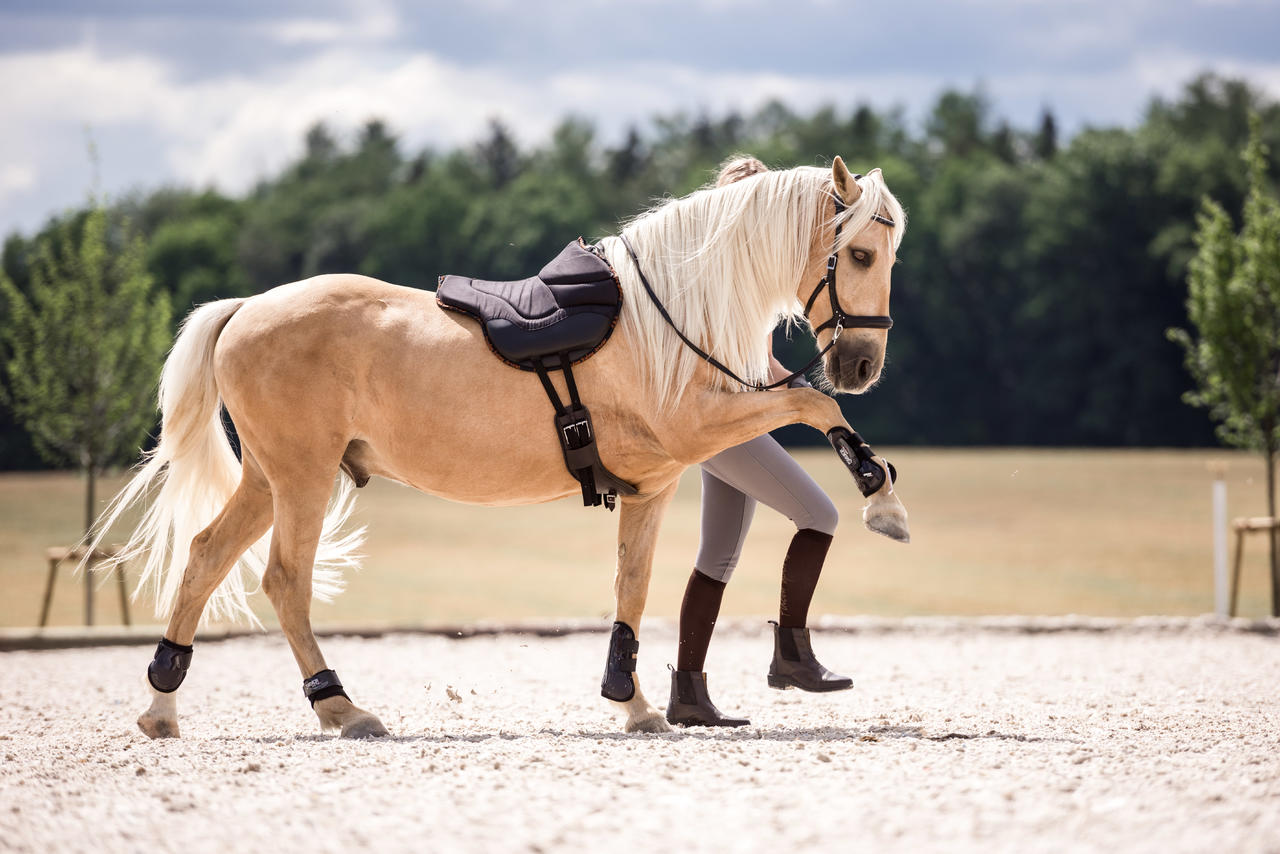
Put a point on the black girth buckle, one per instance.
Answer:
(578, 441)
(575, 432)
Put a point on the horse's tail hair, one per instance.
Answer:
(193, 472)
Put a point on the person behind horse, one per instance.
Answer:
(733, 482)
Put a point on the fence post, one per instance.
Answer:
(1221, 594)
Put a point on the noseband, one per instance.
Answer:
(840, 319)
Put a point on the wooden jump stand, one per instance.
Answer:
(1242, 526)
(57, 556)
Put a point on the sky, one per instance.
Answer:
(219, 93)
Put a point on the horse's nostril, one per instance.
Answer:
(864, 371)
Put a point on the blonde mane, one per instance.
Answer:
(726, 263)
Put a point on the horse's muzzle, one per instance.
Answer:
(854, 366)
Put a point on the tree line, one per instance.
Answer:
(1036, 284)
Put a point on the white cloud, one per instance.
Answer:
(16, 177)
(368, 21)
(232, 129)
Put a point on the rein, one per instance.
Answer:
(840, 319)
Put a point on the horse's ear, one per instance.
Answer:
(845, 185)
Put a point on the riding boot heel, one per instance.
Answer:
(795, 666)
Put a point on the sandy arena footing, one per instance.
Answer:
(958, 736)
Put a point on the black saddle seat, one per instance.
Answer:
(570, 307)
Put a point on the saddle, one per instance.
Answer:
(549, 322)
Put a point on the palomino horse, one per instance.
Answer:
(347, 372)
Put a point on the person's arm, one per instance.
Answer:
(777, 371)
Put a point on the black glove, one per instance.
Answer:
(800, 382)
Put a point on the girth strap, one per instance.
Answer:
(578, 441)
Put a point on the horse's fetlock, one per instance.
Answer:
(323, 686)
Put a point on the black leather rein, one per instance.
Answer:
(840, 319)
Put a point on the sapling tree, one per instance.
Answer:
(82, 349)
(1233, 302)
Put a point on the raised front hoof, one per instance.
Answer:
(364, 726)
(157, 727)
(892, 525)
(653, 722)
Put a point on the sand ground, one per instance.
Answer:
(956, 737)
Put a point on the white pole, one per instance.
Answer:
(1220, 581)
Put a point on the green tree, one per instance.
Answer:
(82, 349)
(1234, 303)
(1045, 142)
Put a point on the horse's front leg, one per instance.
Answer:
(708, 423)
(639, 520)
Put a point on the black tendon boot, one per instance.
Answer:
(794, 664)
(691, 706)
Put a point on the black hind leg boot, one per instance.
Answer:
(690, 705)
(794, 664)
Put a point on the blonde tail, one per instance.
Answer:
(195, 472)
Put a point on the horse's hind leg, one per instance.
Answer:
(299, 522)
(638, 522)
(242, 522)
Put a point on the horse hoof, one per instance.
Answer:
(654, 722)
(154, 727)
(891, 525)
(365, 726)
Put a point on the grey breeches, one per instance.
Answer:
(734, 480)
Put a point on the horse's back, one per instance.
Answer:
(340, 358)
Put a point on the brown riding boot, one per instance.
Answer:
(690, 704)
(794, 664)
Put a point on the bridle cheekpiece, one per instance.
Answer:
(841, 319)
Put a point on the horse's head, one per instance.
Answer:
(862, 227)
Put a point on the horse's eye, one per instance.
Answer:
(862, 257)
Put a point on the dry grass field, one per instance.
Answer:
(1117, 533)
